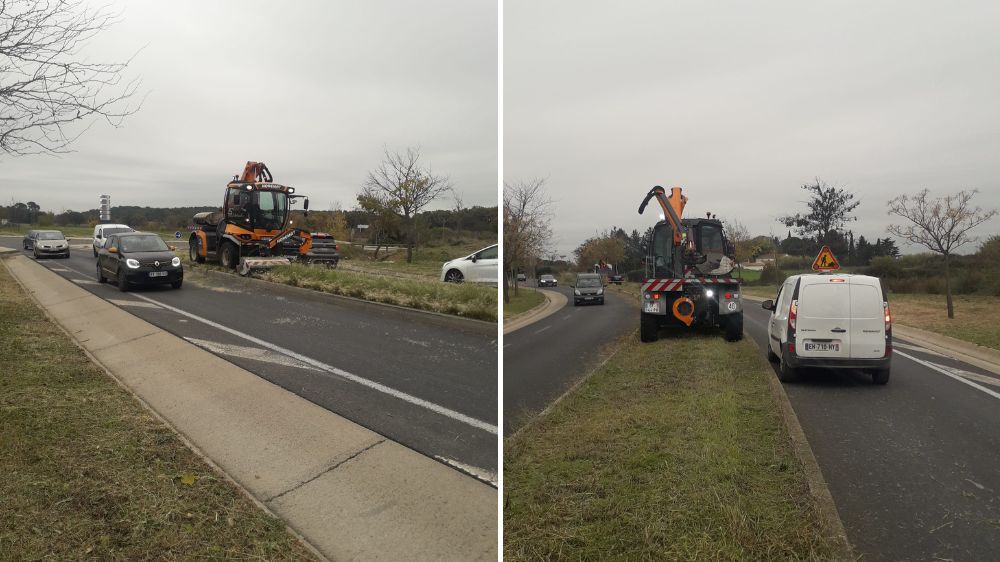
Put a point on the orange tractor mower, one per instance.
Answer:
(689, 266)
(252, 232)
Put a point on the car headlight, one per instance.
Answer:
(600, 291)
(132, 263)
(709, 293)
(176, 262)
(576, 292)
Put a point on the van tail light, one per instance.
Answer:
(888, 318)
(793, 314)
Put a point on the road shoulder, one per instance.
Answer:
(553, 302)
(348, 491)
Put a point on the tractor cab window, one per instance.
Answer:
(236, 202)
(711, 239)
(662, 249)
(272, 208)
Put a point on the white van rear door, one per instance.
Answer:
(823, 326)
(867, 321)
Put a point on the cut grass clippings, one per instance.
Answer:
(525, 300)
(469, 300)
(672, 450)
(87, 472)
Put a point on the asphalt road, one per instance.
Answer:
(425, 381)
(543, 360)
(913, 466)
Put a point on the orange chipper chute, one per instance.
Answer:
(673, 208)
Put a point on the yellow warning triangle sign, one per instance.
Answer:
(825, 261)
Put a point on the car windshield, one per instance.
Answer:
(588, 282)
(547, 278)
(116, 230)
(50, 236)
(143, 244)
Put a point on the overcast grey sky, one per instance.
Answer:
(740, 103)
(312, 88)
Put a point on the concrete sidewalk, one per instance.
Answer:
(349, 492)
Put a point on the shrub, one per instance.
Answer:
(885, 267)
(771, 275)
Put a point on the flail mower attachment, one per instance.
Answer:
(259, 265)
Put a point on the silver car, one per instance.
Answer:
(50, 243)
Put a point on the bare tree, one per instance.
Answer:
(458, 208)
(526, 226)
(941, 225)
(45, 84)
(404, 185)
(739, 236)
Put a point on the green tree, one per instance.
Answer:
(830, 210)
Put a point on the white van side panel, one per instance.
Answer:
(823, 318)
(867, 321)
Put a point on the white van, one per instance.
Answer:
(102, 231)
(830, 320)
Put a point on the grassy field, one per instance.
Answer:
(468, 300)
(673, 451)
(525, 300)
(88, 473)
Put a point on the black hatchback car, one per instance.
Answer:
(138, 258)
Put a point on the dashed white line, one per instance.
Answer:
(543, 329)
(447, 412)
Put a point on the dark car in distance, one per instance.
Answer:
(588, 288)
(28, 241)
(547, 281)
(616, 278)
(138, 258)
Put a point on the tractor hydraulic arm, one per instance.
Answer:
(673, 208)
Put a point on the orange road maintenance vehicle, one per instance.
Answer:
(689, 264)
(252, 231)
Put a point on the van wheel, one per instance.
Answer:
(786, 373)
(649, 327)
(734, 327)
(771, 355)
(880, 376)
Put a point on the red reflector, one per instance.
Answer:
(729, 295)
(791, 347)
(656, 296)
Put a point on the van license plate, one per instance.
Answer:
(157, 273)
(652, 307)
(822, 346)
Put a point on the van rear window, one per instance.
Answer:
(865, 302)
(825, 300)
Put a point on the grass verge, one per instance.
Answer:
(673, 450)
(88, 472)
(525, 300)
(468, 300)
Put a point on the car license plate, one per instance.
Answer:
(822, 346)
(157, 273)
(653, 307)
(588, 298)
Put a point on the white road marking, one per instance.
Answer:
(543, 329)
(484, 475)
(416, 342)
(896, 344)
(946, 372)
(457, 416)
(254, 353)
(121, 302)
(83, 281)
(966, 374)
(54, 268)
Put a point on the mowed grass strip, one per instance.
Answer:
(87, 472)
(977, 317)
(525, 300)
(469, 300)
(672, 450)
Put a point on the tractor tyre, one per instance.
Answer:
(194, 249)
(649, 328)
(734, 327)
(229, 255)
